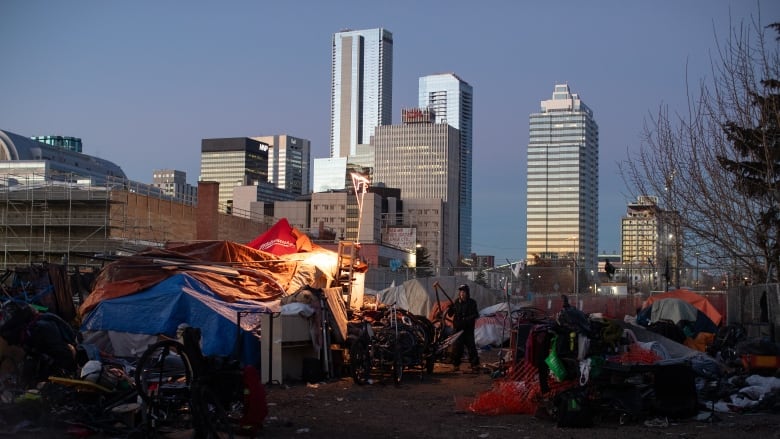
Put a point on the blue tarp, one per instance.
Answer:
(183, 299)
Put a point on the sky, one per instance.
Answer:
(143, 82)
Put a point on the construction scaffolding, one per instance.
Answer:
(65, 222)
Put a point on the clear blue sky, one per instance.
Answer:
(142, 82)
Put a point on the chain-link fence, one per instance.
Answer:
(757, 308)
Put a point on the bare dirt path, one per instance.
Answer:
(430, 408)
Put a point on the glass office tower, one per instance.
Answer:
(233, 161)
(451, 100)
(563, 157)
(288, 162)
(361, 87)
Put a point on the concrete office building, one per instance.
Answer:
(361, 87)
(422, 159)
(452, 99)
(173, 183)
(563, 157)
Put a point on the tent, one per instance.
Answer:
(681, 306)
(697, 300)
(419, 297)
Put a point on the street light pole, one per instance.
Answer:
(574, 253)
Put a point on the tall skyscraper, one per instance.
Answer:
(451, 100)
(563, 158)
(361, 96)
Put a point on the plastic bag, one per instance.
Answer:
(554, 363)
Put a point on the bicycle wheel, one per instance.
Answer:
(164, 370)
(163, 376)
(359, 362)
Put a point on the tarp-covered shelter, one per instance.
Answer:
(178, 299)
(204, 284)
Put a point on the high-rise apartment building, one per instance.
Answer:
(232, 162)
(361, 87)
(563, 157)
(651, 246)
(288, 162)
(422, 159)
(451, 100)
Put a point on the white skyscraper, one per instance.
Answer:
(563, 157)
(451, 100)
(361, 87)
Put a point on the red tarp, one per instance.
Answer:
(281, 239)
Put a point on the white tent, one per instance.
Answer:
(419, 297)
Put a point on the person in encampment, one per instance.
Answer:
(464, 316)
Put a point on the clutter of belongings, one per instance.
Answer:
(219, 287)
(575, 368)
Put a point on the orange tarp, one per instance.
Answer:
(231, 270)
(700, 302)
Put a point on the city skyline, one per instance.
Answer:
(142, 84)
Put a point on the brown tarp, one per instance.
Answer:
(232, 271)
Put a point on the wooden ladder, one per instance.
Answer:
(347, 258)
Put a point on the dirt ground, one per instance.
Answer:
(434, 406)
(425, 406)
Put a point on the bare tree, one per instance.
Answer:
(700, 165)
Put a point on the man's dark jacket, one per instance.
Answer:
(464, 314)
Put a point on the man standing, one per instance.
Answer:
(464, 316)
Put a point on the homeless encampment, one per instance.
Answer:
(204, 284)
(576, 364)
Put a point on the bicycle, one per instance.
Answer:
(390, 344)
(181, 389)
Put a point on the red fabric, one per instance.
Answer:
(255, 404)
(280, 239)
